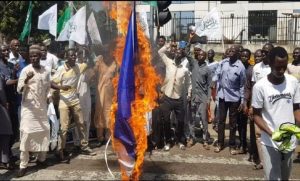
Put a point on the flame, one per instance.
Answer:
(145, 85)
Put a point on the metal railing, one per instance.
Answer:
(260, 29)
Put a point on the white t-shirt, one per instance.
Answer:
(276, 102)
(260, 70)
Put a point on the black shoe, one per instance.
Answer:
(9, 166)
(64, 156)
(250, 159)
(14, 158)
(41, 164)
(21, 172)
(76, 149)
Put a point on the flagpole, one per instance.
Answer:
(71, 5)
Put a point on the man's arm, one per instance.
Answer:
(260, 122)
(209, 84)
(242, 85)
(297, 113)
(162, 53)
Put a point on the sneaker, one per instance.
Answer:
(88, 151)
(181, 146)
(167, 147)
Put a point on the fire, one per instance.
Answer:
(145, 84)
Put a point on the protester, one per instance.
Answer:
(177, 79)
(66, 80)
(212, 65)
(8, 72)
(294, 70)
(276, 91)
(257, 56)
(260, 71)
(243, 115)
(200, 97)
(49, 61)
(34, 84)
(5, 130)
(231, 78)
(84, 92)
(107, 69)
(14, 56)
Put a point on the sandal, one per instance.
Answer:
(232, 151)
(218, 149)
(258, 166)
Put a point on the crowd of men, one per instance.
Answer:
(263, 93)
(32, 80)
(260, 93)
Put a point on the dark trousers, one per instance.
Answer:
(13, 114)
(157, 128)
(253, 151)
(233, 115)
(242, 129)
(165, 108)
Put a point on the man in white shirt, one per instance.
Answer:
(48, 60)
(176, 81)
(260, 70)
(275, 100)
(14, 56)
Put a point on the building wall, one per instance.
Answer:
(240, 8)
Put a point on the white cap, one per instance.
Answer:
(192, 28)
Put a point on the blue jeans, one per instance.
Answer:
(277, 165)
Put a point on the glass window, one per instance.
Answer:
(228, 2)
(182, 20)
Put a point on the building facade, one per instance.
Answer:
(248, 22)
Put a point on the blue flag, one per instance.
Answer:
(126, 86)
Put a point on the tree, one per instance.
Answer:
(13, 15)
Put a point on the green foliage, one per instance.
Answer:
(13, 16)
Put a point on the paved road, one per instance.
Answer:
(192, 164)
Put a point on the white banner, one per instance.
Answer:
(93, 30)
(210, 25)
(48, 20)
(78, 31)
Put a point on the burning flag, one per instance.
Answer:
(134, 91)
(124, 139)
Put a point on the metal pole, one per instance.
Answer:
(71, 43)
(151, 30)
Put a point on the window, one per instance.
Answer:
(228, 2)
(262, 25)
(182, 20)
